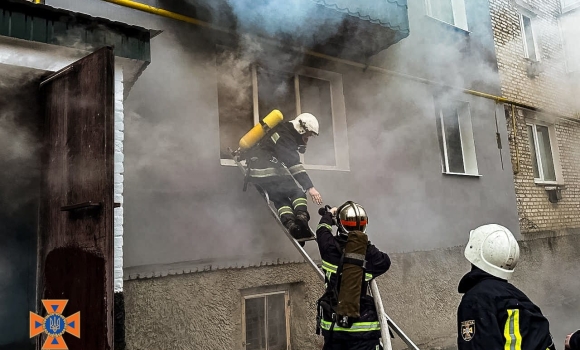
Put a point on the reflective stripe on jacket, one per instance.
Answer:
(278, 155)
(494, 314)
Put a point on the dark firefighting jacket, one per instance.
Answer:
(277, 149)
(495, 315)
(575, 341)
(377, 263)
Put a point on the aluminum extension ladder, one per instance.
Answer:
(384, 319)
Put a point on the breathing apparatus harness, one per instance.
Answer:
(331, 303)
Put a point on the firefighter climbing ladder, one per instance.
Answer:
(384, 319)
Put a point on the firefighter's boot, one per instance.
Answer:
(294, 229)
(302, 219)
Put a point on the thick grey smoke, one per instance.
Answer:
(172, 167)
(173, 153)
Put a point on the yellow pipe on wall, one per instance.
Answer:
(161, 12)
(164, 13)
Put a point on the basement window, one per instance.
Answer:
(248, 92)
(542, 149)
(456, 141)
(448, 11)
(528, 38)
(265, 321)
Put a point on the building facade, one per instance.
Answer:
(535, 44)
(410, 128)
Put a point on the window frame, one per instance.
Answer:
(553, 148)
(466, 137)
(264, 295)
(459, 14)
(570, 56)
(338, 110)
(532, 18)
(569, 5)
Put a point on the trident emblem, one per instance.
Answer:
(54, 324)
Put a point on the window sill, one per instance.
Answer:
(548, 183)
(230, 162)
(461, 174)
(531, 60)
(448, 25)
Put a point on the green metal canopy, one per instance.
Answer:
(22, 19)
(391, 14)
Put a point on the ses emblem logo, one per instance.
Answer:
(55, 324)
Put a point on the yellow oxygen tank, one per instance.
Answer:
(260, 129)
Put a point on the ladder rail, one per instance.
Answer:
(384, 319)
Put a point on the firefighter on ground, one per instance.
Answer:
(276, 161)
(494, 314)
(572, 341)
(364, 332)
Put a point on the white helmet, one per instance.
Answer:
(494, 249)
(305, 122)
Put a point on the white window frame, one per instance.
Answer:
(264, 295)
(338, 109)
(571, 57)
(525, 10)
(553, 148)
(468, 151)
(569, 5)
(459, 13)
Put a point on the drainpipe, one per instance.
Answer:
(515, 138)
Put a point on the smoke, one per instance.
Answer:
(19, 138)
(19, 193)
(172, 165)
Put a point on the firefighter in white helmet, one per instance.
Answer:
(274, 163)
(494, 314)
(572, 341)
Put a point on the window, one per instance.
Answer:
(266, 321)
(528, 38)
(569, 4)
(456, 138)
(248, 92)
(570, 34)
(540, 140)
(448, 11)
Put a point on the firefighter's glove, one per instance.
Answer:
(315, 196)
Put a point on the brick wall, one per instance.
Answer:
(543, 91)
(119, 170)
(546, 92)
